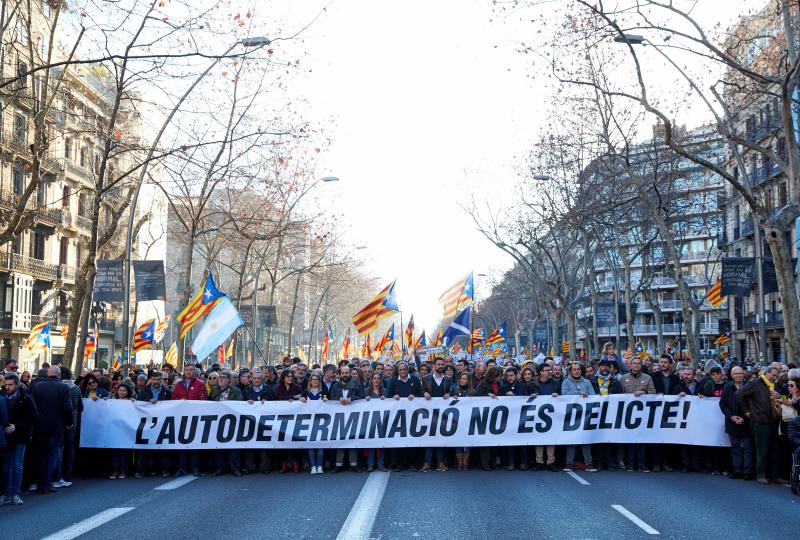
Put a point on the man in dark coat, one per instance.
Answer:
(737, 427)
(759, 402)
(21, 418)
(55, 417)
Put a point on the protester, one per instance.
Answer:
(55, 417)
(226, 459)
(737, 427)
(462, 389)
(376, 392)
(120, 457)
(436, 385)
(287, 390)
(638, 383)
(403, 386)
(547, 387)
(190, 388)
(576, 385)
(761, 405)
(22, 415)
(345, 392)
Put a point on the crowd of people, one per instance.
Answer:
(40, 416)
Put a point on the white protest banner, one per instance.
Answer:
(477, 421)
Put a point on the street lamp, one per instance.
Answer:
(633, 39)
(252, 42)
(330, 178)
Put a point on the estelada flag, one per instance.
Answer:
(457, 297)
(380, 307)
(714, 294)
(203, 302)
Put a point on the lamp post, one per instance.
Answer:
(679, 320)
(247, 42)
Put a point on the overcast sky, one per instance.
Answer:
(429, 100)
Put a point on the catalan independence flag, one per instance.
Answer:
(117, 361)
(161, 329)
(64, 330)
(387, 339)
(203, 302)
(345, 350)
(422, 341)
(171, 357)
(457, 297)
(91, 345)
(39, 339)
(565, 347)
(496, 337)
(326, 342)
(380, 307)
(437, 340)
(714, 294)
(144, 336)
(478, 335)
(409, 343)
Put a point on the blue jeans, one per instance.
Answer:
(47, 454)
(635, 456)
(742, 454)
(372, 454)
(187, 457)
(316, 457)
(13, 457)
(66, 456)
(429, 455)
(119, 460)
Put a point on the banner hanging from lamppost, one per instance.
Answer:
(109, 283)
(150, 281)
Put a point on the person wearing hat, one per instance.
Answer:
(605, 384)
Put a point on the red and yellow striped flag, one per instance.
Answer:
(410, 333)
(714, 294)
(457, 297)
(380, 307)
(203, 302)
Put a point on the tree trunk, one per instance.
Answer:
(781, 257)
(555, 314)
(626, 276)
(291, 316)
(571, 331)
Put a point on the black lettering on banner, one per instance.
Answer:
(572, 417)
(184, 436)
(139, 438)
(603, 415)
(499, 420)
(284, 420)
(478, 420)
(527, 413)
(651, 416)
(686, 405)
(434, 422)
(620, 412)
(299, 427)
(399, 425)
(630, 422)
(591, 414)
(546, 418)
(417, 416)
(207, 419)
(226, 428)
(343, 431)
(246, 428)
(319, 428)
(379, 424)
(263, 428)
(669, 414)
(167, 433)
(362, 430)
(450, 415)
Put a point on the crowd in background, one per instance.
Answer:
(40, 416)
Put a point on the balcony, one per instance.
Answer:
(19, 142)
(67, 273)
(44, 214)
(762, 174)
(774, 320)
(745, 228)
(75, 170)
(761, 131)
(12, 262)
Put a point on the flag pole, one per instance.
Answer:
(255, 344)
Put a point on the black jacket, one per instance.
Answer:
(354, 387)
(698, 388)
(147, 394)
(265, 394)
(614, 386)
(429, 386)
(518, 388)
(729, 407)
(23, 415)
(666, 385)
(404, 389)
(54, 406)
(754, 398)
(794, 432)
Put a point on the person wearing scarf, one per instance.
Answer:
(759, 403)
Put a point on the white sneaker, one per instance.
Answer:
(33, 487)
(58, 484)
(16, 501)
(4, 500)
(319, 469)
(66, 483)
(314, 470)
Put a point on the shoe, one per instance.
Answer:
(370, 469)
(237, 473)
(314, 470)
(629, 469)
(355, 468)
(667, 468)
(552, 467)
(338, 469)
(296, 467)
(425, 467)
(153, 473)
(114, 475)
(441, 467)
(656, 468)
(509, 467)
(381, 468)
(122, 476)
(179, 473)
(523, 467)
(138, 475)
(196, 473)
(537, 466)
(412, 468)
(217, 472)
(61, 484)
(396, 468)
(763, 481)
(569, 467)
(734, 475)
(32, 487)
(644, 469)
(320, 470)
(4, 500)
(715, 473)
(284, 467)
(16, 501)
(591, 469)
(164, 474)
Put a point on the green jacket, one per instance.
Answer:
(234, 394)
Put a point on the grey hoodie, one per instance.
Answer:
(571, 387)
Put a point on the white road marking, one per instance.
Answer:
(178, 482)
(82, 527)
(361, 518)
(577, 478)
(631, 516)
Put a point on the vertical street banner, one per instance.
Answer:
(109, 283)
(150, 281)
(389, 423)
(737, 276)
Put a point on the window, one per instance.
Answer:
(37, 245)
(83, 157)
(17, 244)
(65, 197)
(63, 251)
(18, 179)
(78, 254)
(783, 195)
(82, 204)
(68, 148)
(41, 191)
(20, 130)
(22, 30)
(22, 75)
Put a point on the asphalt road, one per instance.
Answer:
(474, 505)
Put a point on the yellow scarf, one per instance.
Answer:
(770, 385)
